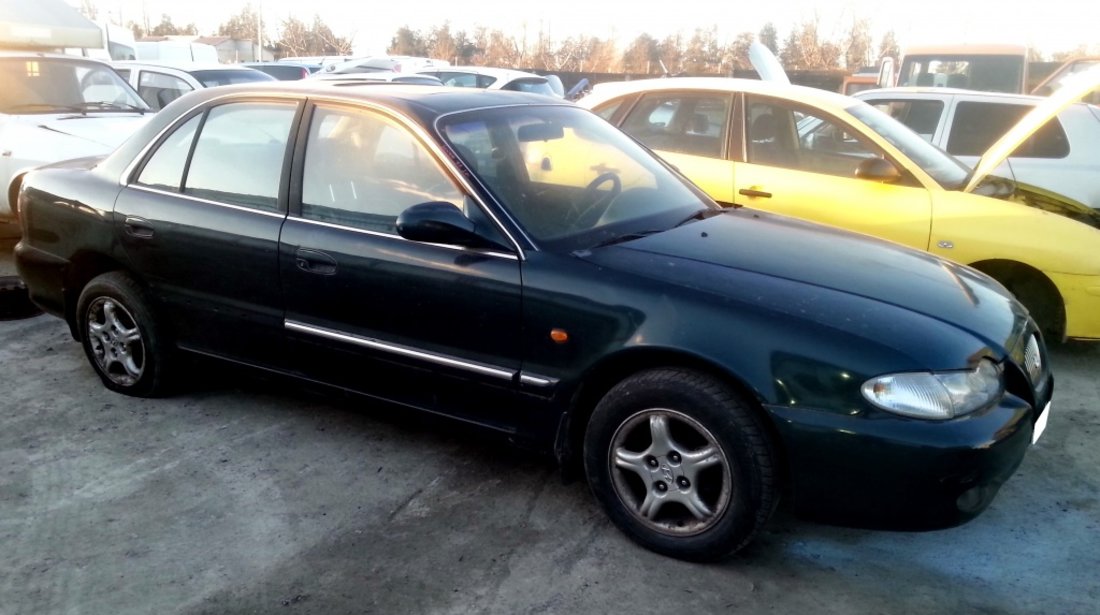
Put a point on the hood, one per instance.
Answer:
(702, 255)
(1072, 90)
(108, 130)
(766, 65)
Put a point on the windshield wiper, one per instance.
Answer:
(628, 237)
(701, 214)
(104, 105)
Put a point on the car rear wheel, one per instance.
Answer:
(121, 336)
(681, 463)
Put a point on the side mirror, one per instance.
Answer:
(439, 222)
(878, 170)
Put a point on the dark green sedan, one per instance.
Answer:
(515, 262)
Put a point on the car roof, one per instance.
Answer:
(423, 101)
(814, 96)
(183, 65)
(8, 53)
(507, 74)
(944, 92)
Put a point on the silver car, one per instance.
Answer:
(1063, 156)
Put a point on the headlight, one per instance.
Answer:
(936, 395)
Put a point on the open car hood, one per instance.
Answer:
(1072, 90)
(765, 64)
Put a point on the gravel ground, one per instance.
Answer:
(250, 495)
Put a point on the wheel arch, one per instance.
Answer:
(1034, 289)
(13, 193)
(83, 267)
(600, 378)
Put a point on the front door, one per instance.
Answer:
(368, 310)
(801, 162)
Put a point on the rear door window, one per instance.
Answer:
(678, 122)
(239, 154)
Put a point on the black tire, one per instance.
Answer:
(122, 338)
(729, 465)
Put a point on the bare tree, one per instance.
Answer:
(769, 37)
(167, 28)
(737, 53)
(888, 47)
(670, 54)
(641, 56)
(702, 53)
(805, 49)
(858, 46)
(408, 42)
(243, 25)
(298, 39)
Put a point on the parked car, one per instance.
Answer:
(385, 76)
(395, 64)
(1063, 157)
(54, 107)
(515, 262)
(493, 79)
(832, 159)
(284, 71)
(160, 83)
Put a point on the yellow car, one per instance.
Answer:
(832, 159)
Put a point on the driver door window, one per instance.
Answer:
(362, 170)
(159, 89)
(801, 139)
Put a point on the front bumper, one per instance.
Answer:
(881, 471)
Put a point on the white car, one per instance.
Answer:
(396, 64)
(159, 83)
(55, 107)
(1063, 157)
(387, 77)
(492, 79)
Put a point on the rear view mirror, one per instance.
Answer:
(879, 170)
(545, 131)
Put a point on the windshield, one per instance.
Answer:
(947, 171)
(568, 178)
(213, 78)
(58, 85)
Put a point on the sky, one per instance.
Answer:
(1048, 25)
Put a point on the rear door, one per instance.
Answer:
(200, 222)
(690, 130)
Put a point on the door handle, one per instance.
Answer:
(755, 193)
(138, 227)
(315, 261)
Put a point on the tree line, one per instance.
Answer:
(704, 51)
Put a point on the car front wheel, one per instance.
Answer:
(681, 464)
(121, 337)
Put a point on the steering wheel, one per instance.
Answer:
(590, 205)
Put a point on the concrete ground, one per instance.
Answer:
(247, 495)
